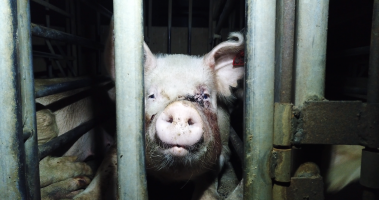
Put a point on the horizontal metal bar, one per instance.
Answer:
(42, 90)
(338, 122)
(69, 137)
(52, 7)
(52, 56)
(99, 8)
(48, 33)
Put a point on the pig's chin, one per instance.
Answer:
(178, 150)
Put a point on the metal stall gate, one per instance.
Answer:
(284, 95)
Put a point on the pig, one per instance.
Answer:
(186, 118)
(66, 176)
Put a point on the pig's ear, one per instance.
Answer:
(221, 58)
(109, 54)
(150, 60)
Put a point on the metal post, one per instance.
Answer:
(189, 26)
(210, 25)
(12, 176)
(259, 98)
(169, 26)
(285, 34)
(128, 23)
(28, 100)
(370, 155)
(310, 57)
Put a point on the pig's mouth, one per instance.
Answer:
(190, 148)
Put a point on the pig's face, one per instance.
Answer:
(183, 137)
(187, 129)
(182, 133)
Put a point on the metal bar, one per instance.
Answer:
(98, 8)
(150, 20)
(310, 57)
(228, 8)
(259, 98)
(25, 60)
(69, 64)
(12, 176)
(52, 56)
(210, 25)
(70, 137)
(52, 7)
(236, 143)
(45, 90)
(373, 80)
(56, 62)
(52, 34)
(130, 99)
(189, 26)
(370, 155)
(169, 26)
(285, 34)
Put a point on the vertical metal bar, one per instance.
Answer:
(189, 26)
(373, 81)
(128, 23)
(241, 14)
(285, 34)
(370, 156)
(169, 26)
(98, 38)
(210, 25)
(25, 59)
(150, 20)
(310, 57)
(12, 176)
(259, 98)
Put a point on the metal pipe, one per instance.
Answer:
(150, 20)
(169, 26)
(228, 8)
(373, 79)
(52, 34)
(370, 155)
(128, 23)
(285, 34)
(210, 25)
(12, 176)
(189, 26)
(236, 143)
(68, 138)
(52, 7)
(98, 8)
(52, 56)
(310, 57)
(56, 62)
(259, 98)
(45, 90)
(25, 60)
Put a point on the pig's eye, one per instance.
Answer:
(205, 96)
(151, 96)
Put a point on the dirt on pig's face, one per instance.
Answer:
(182, 132)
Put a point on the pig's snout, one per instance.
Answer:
(180, 128)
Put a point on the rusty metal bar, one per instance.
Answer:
(12, 176)
(310, 57)
(25, 60)
(259, 98)
(128, 15)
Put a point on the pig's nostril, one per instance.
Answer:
(170, 119)
(190, 122)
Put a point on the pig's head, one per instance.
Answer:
(186, 125)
